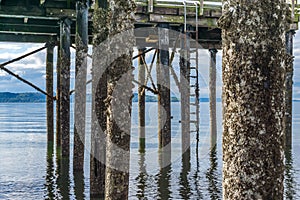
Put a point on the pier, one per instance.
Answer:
(161, 29)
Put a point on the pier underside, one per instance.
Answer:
(39, 21)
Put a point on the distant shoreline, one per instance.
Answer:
(35, 97)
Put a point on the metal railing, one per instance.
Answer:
(180, 4)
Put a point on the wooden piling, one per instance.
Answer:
(65, 43)
(120, 77)
(99, 94)
(58, 88)
(185, 91)
(184, 63)
(81, 40)
(253, 98)
(212, 98)
(49, 89)
(289, 91)
(164, 99)
(141, 100)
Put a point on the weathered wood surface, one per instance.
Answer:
(254, 61)
(185, 91)
(289, 91)
(80, 84)
(49, 89)
(38, 23)
(99, 94)
(141, 100)
(212, 98)
(65, 86)
(58, 88)
(120, 77)
(164, 96)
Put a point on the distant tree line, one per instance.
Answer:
(30, 97)
(35, 97)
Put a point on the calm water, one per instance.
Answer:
(29, 170)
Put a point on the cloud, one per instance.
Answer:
(296, 78)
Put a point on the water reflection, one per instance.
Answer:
(142, 177)
(290, 183)
(197, 172)
(63, 176)
(213, 177)
(50, 178)
(79, 185)
(185, 188)
(164, 175)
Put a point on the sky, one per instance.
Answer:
(33, 67)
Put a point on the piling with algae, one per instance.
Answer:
(119, 94)
(254, 62)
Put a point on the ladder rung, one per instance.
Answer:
(193, 113)
(192, 95)
(193, 76)
(193, 121)
(193, 68)
(193, 85)
(193, 104)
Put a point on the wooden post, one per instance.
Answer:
(65, 43)
(99, 94)
(141, 101)
(212, 98)
(58, 88)
(289, 91)
(49, 89)
(80, 83)
(254, 59)
(118, 101)
(164, 99)
(185, 92)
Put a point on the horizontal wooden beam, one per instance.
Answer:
(210, 22)
(36, 12)
(29, 28)
(23, 37)
(179, 10)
